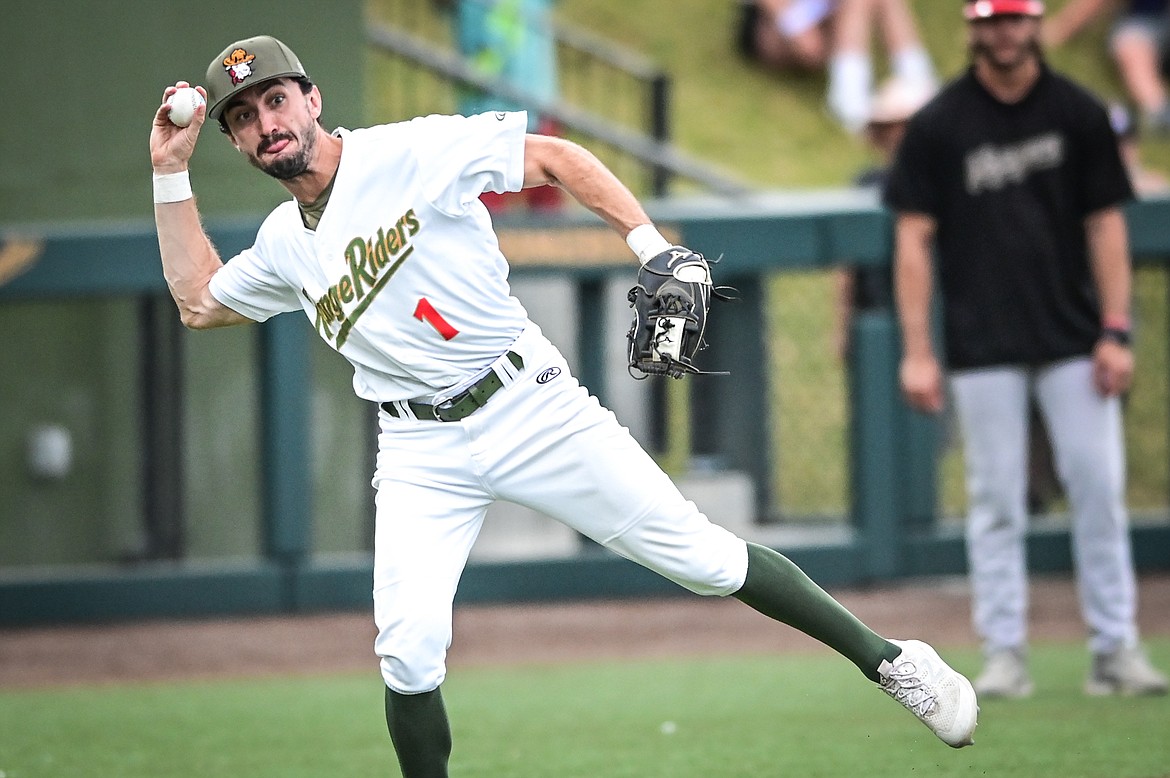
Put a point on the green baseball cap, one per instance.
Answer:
(247, 63)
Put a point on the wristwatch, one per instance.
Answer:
(1119, 335)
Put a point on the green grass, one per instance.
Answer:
(802, 715)
(771, 127)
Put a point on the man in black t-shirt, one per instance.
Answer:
(1011, 178)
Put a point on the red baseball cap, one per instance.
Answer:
(983, 9)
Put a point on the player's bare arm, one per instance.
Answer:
(188, 258)
(1108, 242)
(1073, 18)
(921, 375)
(565, 164)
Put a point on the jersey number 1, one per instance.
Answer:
(424, 311)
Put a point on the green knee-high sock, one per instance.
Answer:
(779, 589)
(420, 733)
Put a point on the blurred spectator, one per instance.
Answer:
(859, 288)
(837, 35)
(1137, 43)
(1145, 181)
(514, 41)
(866, 287)
(1009, 190)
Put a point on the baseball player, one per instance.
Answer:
(1013, 172)
(387, 249)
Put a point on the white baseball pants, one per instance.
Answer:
(1087, 442)
(542, 441)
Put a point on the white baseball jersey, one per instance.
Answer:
(403, 276)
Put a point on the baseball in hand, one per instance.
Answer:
(183, 104)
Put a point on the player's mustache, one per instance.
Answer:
(271, 140)
(984, 49)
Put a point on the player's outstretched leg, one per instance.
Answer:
(420, 732)
(910, 672)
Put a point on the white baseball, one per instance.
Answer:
(183, 104)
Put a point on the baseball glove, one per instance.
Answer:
(670, 303)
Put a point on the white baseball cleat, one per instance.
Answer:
(1125, 671)
(1005, 675)
(941, 698)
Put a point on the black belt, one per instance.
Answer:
(463, 404)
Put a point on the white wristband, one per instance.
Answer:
(172, 187)
(647, 242)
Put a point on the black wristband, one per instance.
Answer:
(1118, 335)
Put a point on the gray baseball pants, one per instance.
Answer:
(1085, 430)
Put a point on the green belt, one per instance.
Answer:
(463, 404)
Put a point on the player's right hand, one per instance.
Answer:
(922, 383)
(171, 146)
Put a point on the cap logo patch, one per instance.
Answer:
(238, 65)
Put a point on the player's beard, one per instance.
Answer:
(1025, 52)
(297, 164)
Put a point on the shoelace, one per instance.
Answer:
(904, 685)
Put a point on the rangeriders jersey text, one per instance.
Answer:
(370, 268)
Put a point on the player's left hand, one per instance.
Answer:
(670, 303)
(1112, 367)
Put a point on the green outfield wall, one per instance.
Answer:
(248, 447)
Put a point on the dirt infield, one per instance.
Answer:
(936, 611)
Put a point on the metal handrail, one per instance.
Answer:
(659, 155)
(620, 58)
